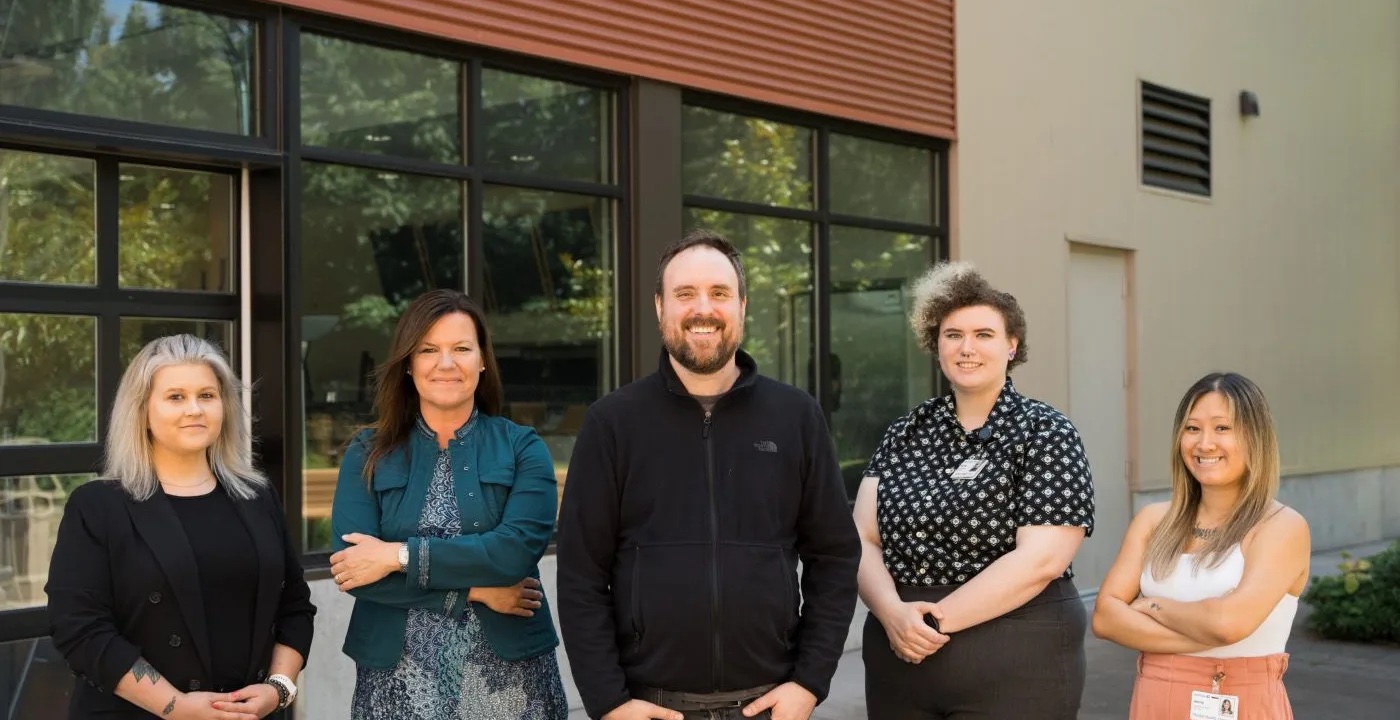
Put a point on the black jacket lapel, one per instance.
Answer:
(268, 549)
(156, 522)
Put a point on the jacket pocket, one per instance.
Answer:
(389, 479)
(496, 485)
(635, 629)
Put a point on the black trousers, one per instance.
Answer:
(1025, 665)
(706, 706)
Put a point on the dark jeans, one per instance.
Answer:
(706, 706)
(1028, 663)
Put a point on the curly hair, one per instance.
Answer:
(951, 286)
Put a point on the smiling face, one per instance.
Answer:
(185, 410)
(973, 348)
(1211, 446)
(447, 364)
(699, 312)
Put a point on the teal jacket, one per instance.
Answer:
(507, 493)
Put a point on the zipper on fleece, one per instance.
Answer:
(717, 663)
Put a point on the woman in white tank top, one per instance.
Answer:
(1207, 584)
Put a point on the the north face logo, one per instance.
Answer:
(766, 446)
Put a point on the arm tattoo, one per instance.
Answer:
(169, 708)
(1154, 606)
(143, 669)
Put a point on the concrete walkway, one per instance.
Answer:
(1326, 680)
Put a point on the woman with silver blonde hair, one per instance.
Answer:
(970, 512)
(174, 589)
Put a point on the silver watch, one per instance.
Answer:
(403, 557)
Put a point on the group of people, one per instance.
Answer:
(708, 559)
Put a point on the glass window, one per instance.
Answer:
(878, 370)
(30, 508)
(545, 127)
(372, 99)
(881, 180)
(132, 60)
(48, 211)
(749, 159)
(136, 332)
(34, 679)
(777, 256)
(176, 229)
(548, 296)
(359, 270)
(48, 380)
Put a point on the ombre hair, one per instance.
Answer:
(951, 286)
(1255, 427)
(396, 402)
(128, 456)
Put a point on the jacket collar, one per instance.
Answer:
(748, 374)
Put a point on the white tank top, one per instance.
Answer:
(1186, 584)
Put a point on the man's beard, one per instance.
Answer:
(679, 349)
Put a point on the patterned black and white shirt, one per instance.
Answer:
(938, 530)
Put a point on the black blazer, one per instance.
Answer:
(123, 584)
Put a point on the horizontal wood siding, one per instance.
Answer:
(884, 62)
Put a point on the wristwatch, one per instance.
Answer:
(286, 689)
(403, 557)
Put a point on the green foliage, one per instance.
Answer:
(1360, 604)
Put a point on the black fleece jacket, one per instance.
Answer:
(679, 539)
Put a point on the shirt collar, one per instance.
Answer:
(1005, 408)
(460, 433)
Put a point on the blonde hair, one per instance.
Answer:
(128, 456)
(1251, 418)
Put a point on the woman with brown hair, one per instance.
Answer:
(1206, 585)
(970, 513)
(442, 511)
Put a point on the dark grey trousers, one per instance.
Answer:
(1028, 663)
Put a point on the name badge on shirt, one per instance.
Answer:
(1211, 706)
(970, 468)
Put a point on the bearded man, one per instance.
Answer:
(691, 498)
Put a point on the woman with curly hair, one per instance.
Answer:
(970, 512)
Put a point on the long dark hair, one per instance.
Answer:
(395, 396)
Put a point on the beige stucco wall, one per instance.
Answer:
(1289, 274)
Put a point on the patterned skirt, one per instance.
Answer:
(449, 672)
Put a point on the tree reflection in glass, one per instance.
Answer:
(371, 241)
(131, 60)
(376, 100)
(48, 218)
(549, 295)
(882, 371)
(48, 378)
(175, 229)
(545, 127)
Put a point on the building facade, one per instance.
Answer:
(1168, 188)
(283, 178)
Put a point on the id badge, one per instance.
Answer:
(1211, 706)
(970, 468)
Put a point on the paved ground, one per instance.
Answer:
(1326, 680)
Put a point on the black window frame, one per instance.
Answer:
(474, 176)
(820, 215)
(108, 303)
